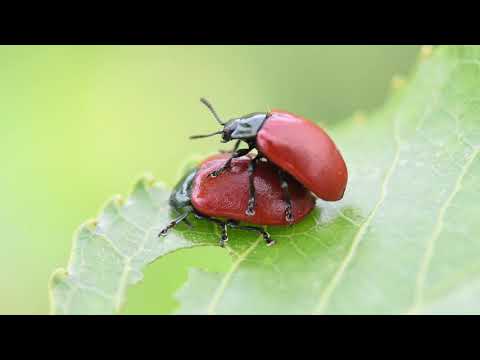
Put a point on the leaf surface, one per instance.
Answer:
(405, 238)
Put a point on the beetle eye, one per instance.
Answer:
(226, 135)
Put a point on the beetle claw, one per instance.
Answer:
(288, 214)
(216, 173)
(269, 240)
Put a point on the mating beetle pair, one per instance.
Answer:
(300, 157)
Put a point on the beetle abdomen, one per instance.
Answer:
(306, 152)
(227, 195)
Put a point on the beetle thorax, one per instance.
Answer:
(244, 128)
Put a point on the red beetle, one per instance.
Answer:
(226, 197)
(296, 145)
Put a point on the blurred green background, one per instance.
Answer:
(79, 124)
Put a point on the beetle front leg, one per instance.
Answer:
(286, 196)
(236, 154)
(174, 223)
(235, 148)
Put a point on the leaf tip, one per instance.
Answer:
(148, 180)
(118, 200)
(90, 225)
(426, 51)
(57, 278)
(398, 82)
(359, 117)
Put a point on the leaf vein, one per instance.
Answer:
(437, 229)
(332, 285)
(226, 279)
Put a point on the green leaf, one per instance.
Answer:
(109, 253)
(405, 238)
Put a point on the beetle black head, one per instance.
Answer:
(242, 128)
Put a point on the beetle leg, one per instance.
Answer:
(286, 196)
(188, 223)
(222, 224)
(236, 154)
(224, 236)
(266, 235)
(235, 148)
(251, 187)
(174, 223)
(223, 229)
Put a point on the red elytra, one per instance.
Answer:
(227, 195)
(306, 152)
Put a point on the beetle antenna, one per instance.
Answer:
(207, 135)
(212, 110)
